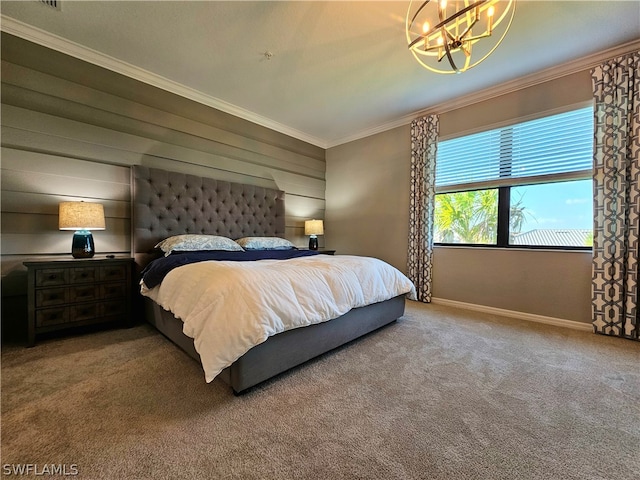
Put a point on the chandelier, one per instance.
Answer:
(452, 37)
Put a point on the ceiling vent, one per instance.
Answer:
(55, 4)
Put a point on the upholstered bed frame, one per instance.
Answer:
(169, 203)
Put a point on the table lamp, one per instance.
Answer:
(81, 217)
(313, 228)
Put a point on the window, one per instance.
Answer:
(525, 185)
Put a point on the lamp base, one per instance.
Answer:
(82, 245)
(313, 242)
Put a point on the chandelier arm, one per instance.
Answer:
(467, 30)
(457, 14)
(443, 22)
(449, 35)
(477, 37)
(448, 53)
(412, 44)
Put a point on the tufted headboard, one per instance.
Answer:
(167, 203)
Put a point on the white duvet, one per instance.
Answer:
(229, 307)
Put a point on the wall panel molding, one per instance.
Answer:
(49, 40)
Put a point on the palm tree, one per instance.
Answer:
(517, 216)
(466, 217)
(472, 217)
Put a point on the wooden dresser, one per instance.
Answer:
(64, 294)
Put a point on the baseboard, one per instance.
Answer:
(532, 317)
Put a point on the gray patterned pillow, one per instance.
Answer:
(265, 243)
(194, 243)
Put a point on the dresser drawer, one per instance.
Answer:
(49, 277)
(84, 293)
(87, 313)
(113, 272)
(83, 275)
(82, 313)
(113, 290)
(52, 316)
(48, 297)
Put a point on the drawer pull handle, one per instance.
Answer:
(54, 296)
(53, 276)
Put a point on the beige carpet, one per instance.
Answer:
(441, 394)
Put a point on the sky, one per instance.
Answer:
(565, 205)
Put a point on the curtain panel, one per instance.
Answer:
(616, 174)
(424, 146)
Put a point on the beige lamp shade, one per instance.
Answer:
(81, 216)
(313, 227)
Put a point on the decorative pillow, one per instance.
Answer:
(194, 243)
(265, 243)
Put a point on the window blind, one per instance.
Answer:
(553, 148)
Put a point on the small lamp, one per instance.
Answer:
(313, 228)
(81, 217)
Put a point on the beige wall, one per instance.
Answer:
(549, 283)
(71, 130)
(368, 202)
(367, 198)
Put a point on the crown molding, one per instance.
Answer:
(62, 45)
(502, 89)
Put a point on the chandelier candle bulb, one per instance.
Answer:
(490, 13)
(425, 31)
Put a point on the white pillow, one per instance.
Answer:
(265, 243)
(194, 243)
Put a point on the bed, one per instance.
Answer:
(166, 203)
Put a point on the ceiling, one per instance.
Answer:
(337, 70)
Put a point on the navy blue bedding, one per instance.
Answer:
(155, 271)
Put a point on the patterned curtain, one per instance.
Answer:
(424, 145)
(616, 170)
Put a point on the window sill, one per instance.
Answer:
(493, 248)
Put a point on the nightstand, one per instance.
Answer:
(321, 250)
(64, 294)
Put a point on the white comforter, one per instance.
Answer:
(229, 307)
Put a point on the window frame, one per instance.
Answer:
(503, 186)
